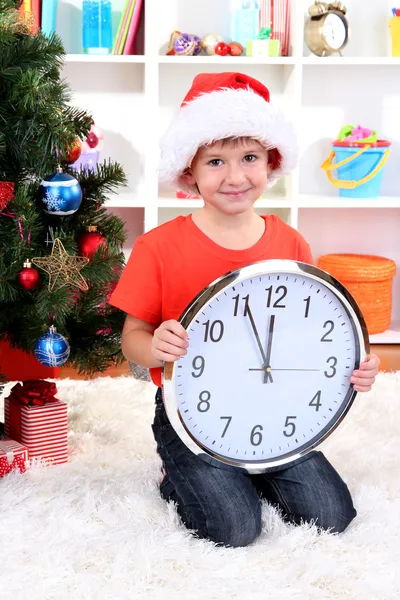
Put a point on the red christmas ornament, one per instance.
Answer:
(235, 49)
(6, 193)
(28, 277)
(89, 242)
(222, 49)
(73, 152)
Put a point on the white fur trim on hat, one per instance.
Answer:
(223, 114)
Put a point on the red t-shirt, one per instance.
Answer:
(172, 263)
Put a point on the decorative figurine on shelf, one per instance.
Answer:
(327, 31)
(235, 49)
(188, 44)
(183, 44)
(209, 42)
(172, 37)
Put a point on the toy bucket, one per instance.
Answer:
(359, 167)
(394, 25)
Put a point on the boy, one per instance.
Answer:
(228, 144)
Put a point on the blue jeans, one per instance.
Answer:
(223, 504)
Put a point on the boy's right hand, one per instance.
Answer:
(169, 341)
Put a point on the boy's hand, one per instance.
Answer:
(169, 341)
(364, 378)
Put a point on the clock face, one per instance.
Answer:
(335, 31)
(266, 376)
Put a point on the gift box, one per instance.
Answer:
(38, 420)
(276, 14)
(265, 48)
(13, 457)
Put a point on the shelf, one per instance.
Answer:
(317, 201)
(134, 98)
(125, 200)
(237, 60)
(223, 60)
(106, 58)
(351, 61)
(273, 201)
(391, 336)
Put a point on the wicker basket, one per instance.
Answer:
(369, 280)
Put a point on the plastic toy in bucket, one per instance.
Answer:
(359, 165)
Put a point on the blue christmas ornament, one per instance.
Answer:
(52, 349)
(60, 194)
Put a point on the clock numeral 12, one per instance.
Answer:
(282, 289)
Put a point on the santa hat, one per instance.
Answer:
(219, 106)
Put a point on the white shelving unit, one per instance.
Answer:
(133, 98)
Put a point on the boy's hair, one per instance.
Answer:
(221, 106)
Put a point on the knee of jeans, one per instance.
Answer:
(336, 517)
(232, 531)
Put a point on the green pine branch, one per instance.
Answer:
(38, 125)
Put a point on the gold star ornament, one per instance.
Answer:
(62, 268)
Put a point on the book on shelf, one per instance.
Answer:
(128, 27)
(44, 14)
(34, 7)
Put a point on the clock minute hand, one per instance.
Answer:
(267, 373)
(253, 325)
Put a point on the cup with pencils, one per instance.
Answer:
(394, 25)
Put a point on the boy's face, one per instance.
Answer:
(230, 174)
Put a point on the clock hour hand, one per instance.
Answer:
(248, 313)
(267, 363)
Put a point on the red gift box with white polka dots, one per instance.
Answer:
(13, 456)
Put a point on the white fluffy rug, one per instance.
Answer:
(97, 529)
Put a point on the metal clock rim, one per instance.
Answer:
(213, 290)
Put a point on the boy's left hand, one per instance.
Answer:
(364, 377)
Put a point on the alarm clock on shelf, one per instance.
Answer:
(266, 378)
(327, 30)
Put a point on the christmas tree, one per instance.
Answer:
(52, 216)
